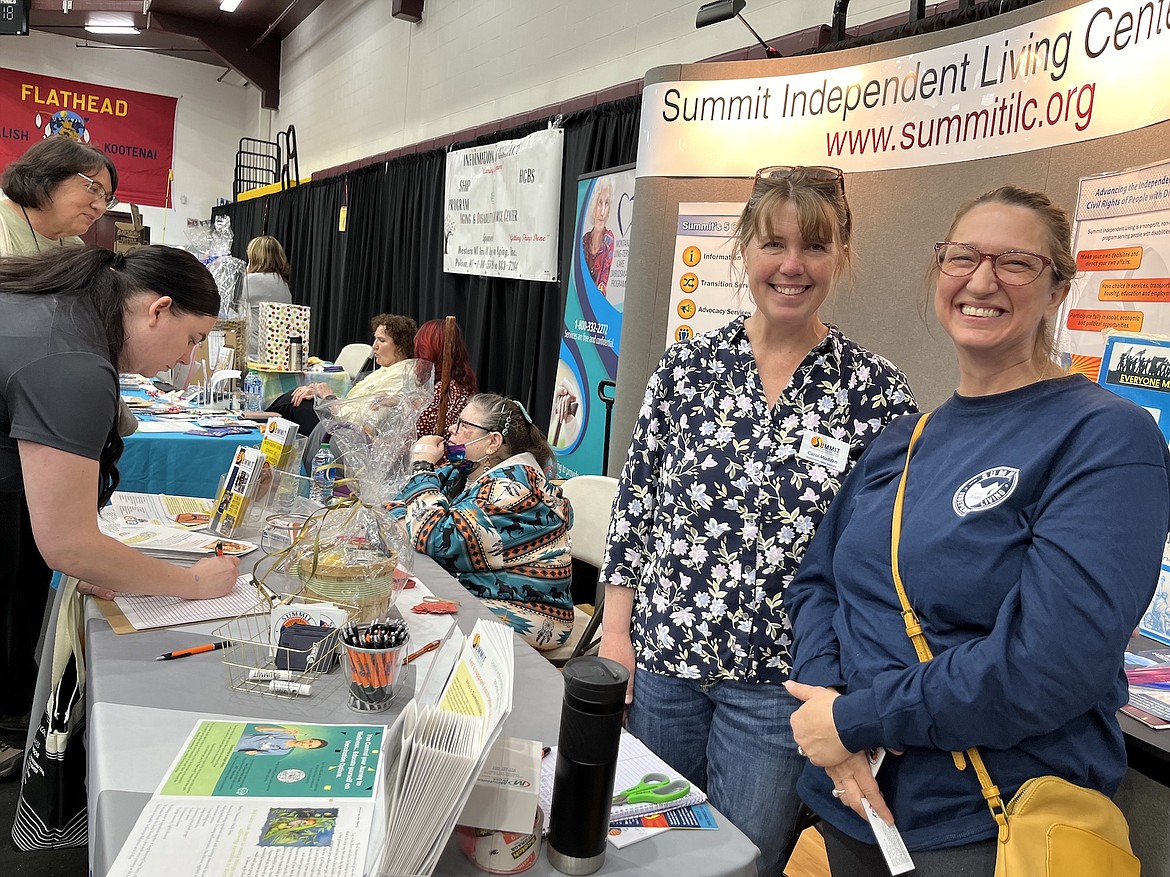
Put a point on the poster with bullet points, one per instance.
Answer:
(706, 289)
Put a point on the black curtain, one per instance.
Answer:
(389, 259)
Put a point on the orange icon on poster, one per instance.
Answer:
(688, 283)
(683, 333)
(691, 256)
(686, 308)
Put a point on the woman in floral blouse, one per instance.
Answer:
(744, 436)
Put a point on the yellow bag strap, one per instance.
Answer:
(922, 648)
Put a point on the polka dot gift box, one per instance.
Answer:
(278, 323)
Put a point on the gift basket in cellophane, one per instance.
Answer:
(352, 551)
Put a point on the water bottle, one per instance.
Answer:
(587, 753)
(253, 392)
(296, 354)
(323, 475)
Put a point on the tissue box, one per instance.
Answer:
(506, 792)
(278, 323)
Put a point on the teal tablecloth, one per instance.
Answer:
(177, 463)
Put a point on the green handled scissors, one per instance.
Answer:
(655, 788)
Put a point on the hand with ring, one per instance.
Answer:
(853, 780)
(837, 793)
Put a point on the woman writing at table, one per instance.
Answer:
(1031, 531)
(69, 322)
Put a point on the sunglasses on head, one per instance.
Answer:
(814, 173)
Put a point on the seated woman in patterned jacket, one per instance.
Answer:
(492, 520)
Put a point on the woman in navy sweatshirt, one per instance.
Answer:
(1036, 510)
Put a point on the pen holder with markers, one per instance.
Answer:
(372, 665)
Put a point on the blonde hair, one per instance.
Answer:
(266, 256)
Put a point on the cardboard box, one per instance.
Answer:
(506, 792)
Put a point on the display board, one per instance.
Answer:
(883, 301)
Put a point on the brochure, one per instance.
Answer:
(137, 509)
(171, 543)
(1148, 673)
(243, 479)
(263, 798)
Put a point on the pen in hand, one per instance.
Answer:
(194, 650)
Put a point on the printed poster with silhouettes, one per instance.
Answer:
(593, 321)
(707, 289)
(1122, 246)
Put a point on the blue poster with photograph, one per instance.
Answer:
(1138, 368)
(593, 322)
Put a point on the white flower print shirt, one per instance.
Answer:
(715, 506)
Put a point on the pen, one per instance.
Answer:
(219, 549)
(194, 650)
(544, 751)
(429, 647)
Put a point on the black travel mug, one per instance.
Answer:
(587, 752)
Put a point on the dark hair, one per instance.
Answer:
(821, 207)
(31, 179)
(1058, 227)
(267, 256)
(428, 345)
(510, 419)
(105, 280)
(400, 329)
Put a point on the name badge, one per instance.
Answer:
(829, 452)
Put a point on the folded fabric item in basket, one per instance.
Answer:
(303, 647)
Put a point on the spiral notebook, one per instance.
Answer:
(634, 762)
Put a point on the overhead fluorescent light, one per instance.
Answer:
(112, 28)
(228, 5)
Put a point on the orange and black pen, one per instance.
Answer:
(429, 647)
(194, 650)
(219, 549)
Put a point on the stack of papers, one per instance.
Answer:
(170, 543)
(1149, 687)
(438, 751)
(263, 798)
(128, 613)
(160, 510)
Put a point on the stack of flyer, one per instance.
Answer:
(248, 798)
(1148, 674)
(439, 750)
(174, 544)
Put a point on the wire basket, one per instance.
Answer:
(256, 664)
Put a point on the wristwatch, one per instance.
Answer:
(422, 466)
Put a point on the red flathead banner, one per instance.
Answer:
(136, 130)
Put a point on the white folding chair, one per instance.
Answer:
(353, 358)
(592, 499)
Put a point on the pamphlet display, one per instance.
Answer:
(243, 479)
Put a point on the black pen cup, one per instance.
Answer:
(373, 676)
(587, 754)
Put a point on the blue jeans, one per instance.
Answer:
(734, 740)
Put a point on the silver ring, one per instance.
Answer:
(838, 793)
(800, 752)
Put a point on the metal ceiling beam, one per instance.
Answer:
(92, 6)
(259, 65)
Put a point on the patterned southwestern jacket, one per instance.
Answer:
(505, 536)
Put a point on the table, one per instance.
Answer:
(140, 711)
(275, 384)
(177, 463)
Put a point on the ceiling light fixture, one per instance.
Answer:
(112, 28)
(229, 5)
(722, 10)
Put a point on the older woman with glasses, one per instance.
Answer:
(1027, 519)
(744, 437)
(490, 517)
(52, 194)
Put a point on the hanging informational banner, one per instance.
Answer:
(134, 129)
(1076, 75)
(706, 289)
(593, 321)
(1122, 246)
(503, 208)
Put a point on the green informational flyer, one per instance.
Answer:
(277, 760)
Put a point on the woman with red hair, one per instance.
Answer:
(428, 347)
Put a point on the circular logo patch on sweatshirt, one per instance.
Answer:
(986, 490)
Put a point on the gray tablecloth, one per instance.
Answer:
(140, 711)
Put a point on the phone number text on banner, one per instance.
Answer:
(1069, 77)
(135, 130)
(502, 208)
